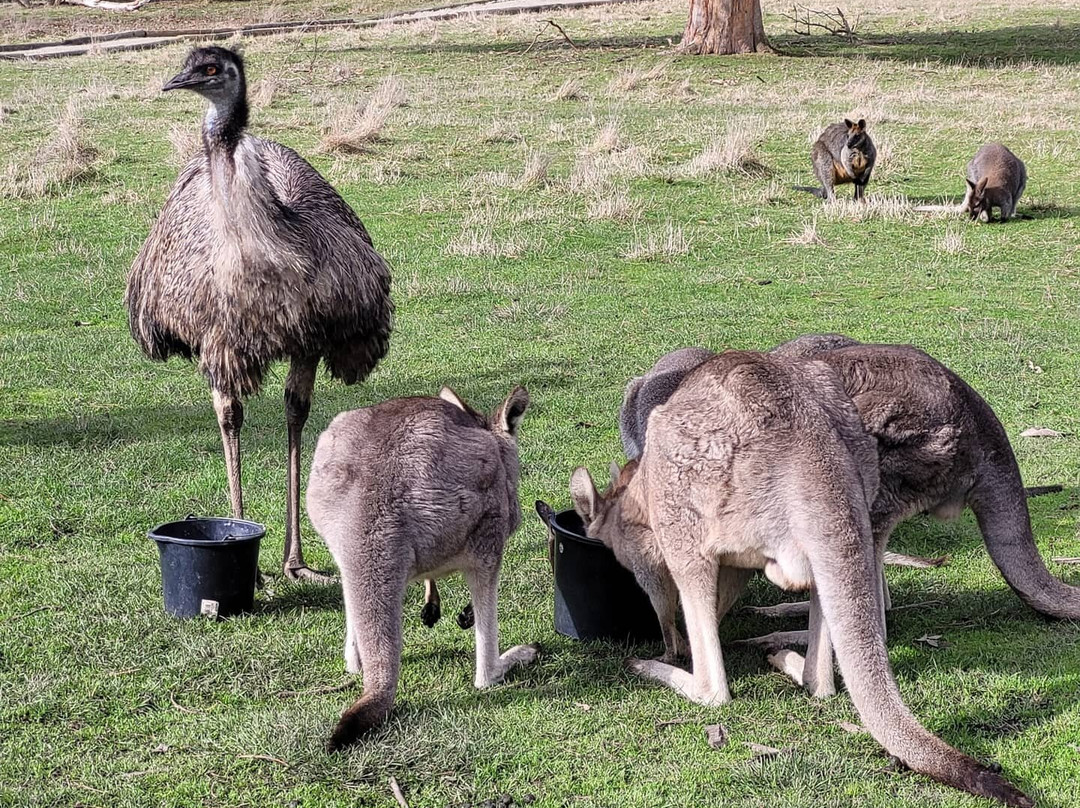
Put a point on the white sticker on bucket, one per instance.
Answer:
(208, 608)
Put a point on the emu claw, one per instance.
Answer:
(308, 575)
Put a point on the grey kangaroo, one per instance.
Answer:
(843, 153)
(942, 449)
(415, 488)
(762, 462)
(995, 179)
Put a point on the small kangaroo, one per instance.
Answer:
(995, 179)
(762, 462)
(843, 153)
(407, 489)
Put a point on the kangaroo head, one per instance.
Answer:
(507, 416)
(856, 133)
(977, 203)
(598, 510)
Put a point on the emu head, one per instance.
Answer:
(215, 73)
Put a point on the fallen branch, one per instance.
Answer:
(27, 614)
(835, 24)
(107, 5)
(268, 758)
(1066, 560)
(397, 793)
(182, 708)
(315, 691)
(543, 27)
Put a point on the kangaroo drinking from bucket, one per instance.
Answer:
(415, 488)
(843, 153)
(762, 462)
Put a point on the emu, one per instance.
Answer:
(256, 258)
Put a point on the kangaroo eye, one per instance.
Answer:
(211, 70)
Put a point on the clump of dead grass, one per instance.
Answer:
(952, 243)
(570, 90)
(807, 237)
(613, 203)
(667, 242)
(535, 171)
(265, 91)
(892, 207)
(64, 159)
(732, 153)
(629, 80)
(353, 129)
(607, 139)
(185, 141)
(500, 131)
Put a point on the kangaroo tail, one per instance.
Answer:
(373, 607)
(852, 613)
(629, 430)
(1042, 490)
(811, 189)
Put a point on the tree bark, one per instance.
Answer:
(724, 26)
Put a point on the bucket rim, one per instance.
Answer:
(256, 534)
(571, 534)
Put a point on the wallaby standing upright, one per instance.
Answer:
(843, 153)
(762, 462)
(415, 488)
(995, 179)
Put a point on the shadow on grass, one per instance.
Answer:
(1021, 44)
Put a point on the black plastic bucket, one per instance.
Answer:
(209, 565)
(596, 597)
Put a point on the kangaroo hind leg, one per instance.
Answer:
(491, 666)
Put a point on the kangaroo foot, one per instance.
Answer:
(466, 618)
(308, 575)
(431, 613)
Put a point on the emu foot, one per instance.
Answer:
(310, 576)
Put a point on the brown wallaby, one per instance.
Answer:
(843, 153)
(995, 179)
(762, 462)
(415, 488)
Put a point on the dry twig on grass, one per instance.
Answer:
(104, 5)
(836, 24)
(555, 25)
(397, 793)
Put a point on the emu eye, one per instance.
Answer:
(211, 70)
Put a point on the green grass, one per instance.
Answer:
(104, 701)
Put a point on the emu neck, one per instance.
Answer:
(225, 121)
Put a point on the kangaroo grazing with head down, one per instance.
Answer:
(995, 179)
(843, 153)
(762, 462)
(415, 488)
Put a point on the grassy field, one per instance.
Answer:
(556, 218)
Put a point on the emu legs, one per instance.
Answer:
(230, 415)
(298, 387)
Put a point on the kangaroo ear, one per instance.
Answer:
(448, 395)
(862, 123)
(509, 414)
(970, 184)
(981, 186)
(583, 494)
(614, 471)
(848, 123)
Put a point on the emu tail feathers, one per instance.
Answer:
(852, 613)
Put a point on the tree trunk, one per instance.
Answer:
(724, 26)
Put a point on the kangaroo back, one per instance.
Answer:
(644, 393)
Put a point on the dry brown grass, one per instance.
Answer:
(613, 203)
(64, 159)
(535, 170)
(570, 90)
(352, 129)
(265, 91)
(952, 242)
(807, 237)
(734, 152)
(186, 141)
(607, 139)
(633, 78)
(667, 242)
(877, 206)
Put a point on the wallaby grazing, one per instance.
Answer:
(995, 179)
(843, 153)
(762, 462)
(407, 489)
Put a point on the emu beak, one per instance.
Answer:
(181, 81)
